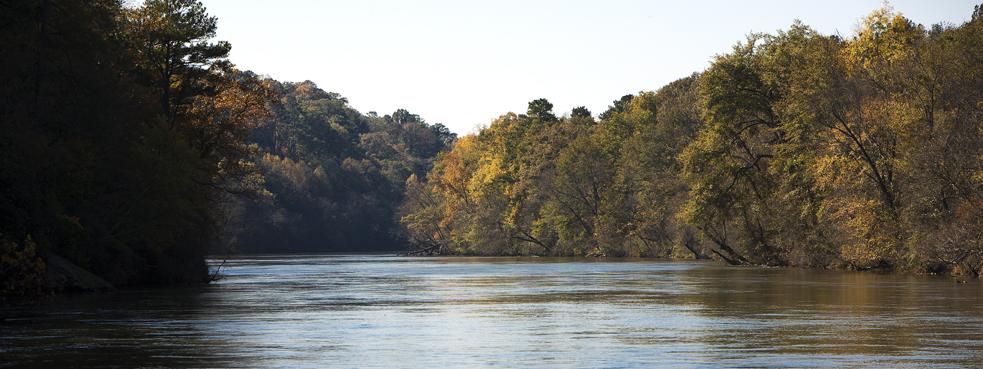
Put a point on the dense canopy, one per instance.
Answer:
(795, 148)
(132, 147)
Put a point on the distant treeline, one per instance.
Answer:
(795, 148)
(333, 178)
(131, 147)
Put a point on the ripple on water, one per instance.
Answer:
(385, 312)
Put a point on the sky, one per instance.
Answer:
(464, 63)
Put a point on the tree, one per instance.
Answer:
(617, 106)
(541, 109)
(580, 112)
(171, 43)
(795, 148)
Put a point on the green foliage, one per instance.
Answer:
(794, 149)
(580, 112)
(132, 147)
(541, 109)
(564, 186)
(92, 167)
(170, 41)
(334, 177)
(821, 151)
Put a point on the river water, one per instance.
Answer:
(313, 311)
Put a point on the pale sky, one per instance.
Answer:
(463, 63)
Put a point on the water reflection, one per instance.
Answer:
(384, 312)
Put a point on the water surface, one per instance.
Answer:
(312, 311)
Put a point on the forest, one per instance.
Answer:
(132, 148)
(792, 149)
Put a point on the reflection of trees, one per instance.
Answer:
(837, 316)
(127, 329)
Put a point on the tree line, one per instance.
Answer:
(793, 149)
(131, 147)
(333, 177)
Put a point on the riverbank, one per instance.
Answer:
(959, 274)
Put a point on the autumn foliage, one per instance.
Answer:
(795, 148)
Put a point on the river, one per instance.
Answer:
(373, 311)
